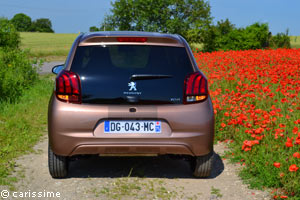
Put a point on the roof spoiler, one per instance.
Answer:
(131, 40)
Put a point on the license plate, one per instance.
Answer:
(132, 126)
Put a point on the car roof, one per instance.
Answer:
(108, 38)
(88, 35)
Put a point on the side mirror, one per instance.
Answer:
(57, 68)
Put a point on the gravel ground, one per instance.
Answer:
(47, 66)
(132, 178)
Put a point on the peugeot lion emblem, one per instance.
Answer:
(132, 86)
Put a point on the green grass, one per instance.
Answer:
(52, 46)
(216, 192)
(21, 125)
(295, 41)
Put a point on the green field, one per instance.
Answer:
(51, 46)
(295, 41)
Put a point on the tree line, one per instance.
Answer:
(192, 19)
(23, 23)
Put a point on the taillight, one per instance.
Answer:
(68, 87)
(132, 39)
(195, 88)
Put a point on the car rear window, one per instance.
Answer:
(105, 73)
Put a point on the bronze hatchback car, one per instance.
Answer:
(130, 93)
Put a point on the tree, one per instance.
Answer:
(188, 18)
(213, 37)
(21, 22)
(108, 24)
(42, 25)
(94, 29)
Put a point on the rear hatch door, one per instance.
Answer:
(131, 74)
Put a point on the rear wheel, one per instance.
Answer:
(58, 165)
(202, 165)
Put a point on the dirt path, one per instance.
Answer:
(132, 178)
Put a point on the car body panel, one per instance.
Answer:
(73, 125)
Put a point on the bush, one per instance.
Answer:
(9, 37)
(16, 74)
(16, 69)
(252, 37)
(225, 36)
(280, 40)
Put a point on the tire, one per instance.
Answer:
(58, 165)
(202, 165)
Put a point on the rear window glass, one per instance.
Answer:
(154, 58)
(129, 56)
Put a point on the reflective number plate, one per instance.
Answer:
(132, 126)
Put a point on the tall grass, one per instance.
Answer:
(22, 124)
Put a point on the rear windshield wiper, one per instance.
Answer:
(148, 76)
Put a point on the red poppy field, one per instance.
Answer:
(256, 97)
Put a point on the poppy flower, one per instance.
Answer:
(226, 114)
(223, 125)
(289, 142)
(295, 130)
(293, 168)
(276, 164)
(296, 155)
(297, 140)
(259, 130)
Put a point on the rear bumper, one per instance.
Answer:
(177, 143)
(76, 129)
(132, 149)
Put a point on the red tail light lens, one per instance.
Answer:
(195, 88)
(132, 39)
(68, 87)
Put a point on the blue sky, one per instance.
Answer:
(73, 16)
